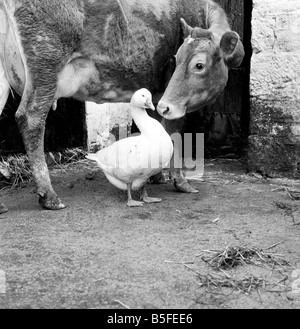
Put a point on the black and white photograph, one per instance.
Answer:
(150, 157)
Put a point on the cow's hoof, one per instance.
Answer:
(158, 179)
(53, 203)
(3, 209)
(134, 203)
(185, 187)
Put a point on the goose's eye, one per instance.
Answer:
(199, 66)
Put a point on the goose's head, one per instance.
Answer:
(142, 98)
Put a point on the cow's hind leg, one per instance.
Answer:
(47, 34)
(31, 118)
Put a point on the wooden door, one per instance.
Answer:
(225, 123)
(65, 127)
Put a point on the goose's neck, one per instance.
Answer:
(141, 118)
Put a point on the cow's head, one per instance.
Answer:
(202, 64)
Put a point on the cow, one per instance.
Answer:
(103, 51)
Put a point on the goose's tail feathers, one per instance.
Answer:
(91, 156)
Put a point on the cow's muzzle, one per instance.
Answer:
(170, 111)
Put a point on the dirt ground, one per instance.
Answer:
(98, 253)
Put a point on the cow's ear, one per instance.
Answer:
(187, 30)
(232, 49)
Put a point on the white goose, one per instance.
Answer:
(128, 163)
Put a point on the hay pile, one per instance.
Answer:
(223, 262)
(15, 170)
(234, 256)
(231, 257)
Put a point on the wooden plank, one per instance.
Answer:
(235, 13)
(234, 91)
(220, 122)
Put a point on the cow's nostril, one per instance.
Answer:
(166, 111)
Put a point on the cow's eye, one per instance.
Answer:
(199, 66)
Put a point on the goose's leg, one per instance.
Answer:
(131, 202)
(147, 199)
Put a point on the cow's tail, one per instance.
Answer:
(4, 85)
(9, 7)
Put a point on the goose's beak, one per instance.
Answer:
(149, 105)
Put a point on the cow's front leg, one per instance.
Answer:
(175, 129)
(31, 118)
(178, 174)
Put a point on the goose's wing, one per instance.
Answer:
(126, 159)
(122, 152)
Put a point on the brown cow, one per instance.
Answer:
(103, 51)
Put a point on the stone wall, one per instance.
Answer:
(274, 141)
(106, 123)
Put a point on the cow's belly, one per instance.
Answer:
(75, 74)
(10, 53)
(81, 80)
